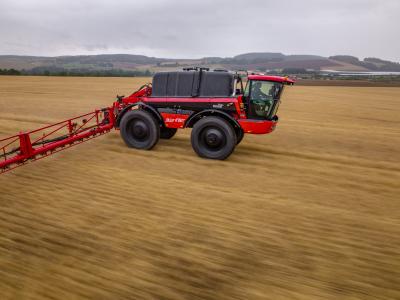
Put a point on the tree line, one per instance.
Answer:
(43, 71)
(9, 72)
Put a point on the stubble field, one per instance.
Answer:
(311, 211)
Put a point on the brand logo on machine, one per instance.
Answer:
(218, 105)
(174, 120)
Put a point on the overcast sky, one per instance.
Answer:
(188, 29)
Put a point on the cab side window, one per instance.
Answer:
(262, 96)
(247, 89)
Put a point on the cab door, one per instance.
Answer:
(261, 99)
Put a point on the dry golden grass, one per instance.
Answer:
(311, 211)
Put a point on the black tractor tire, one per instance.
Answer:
(239, 136)
(213, 137)
(167, 133)
(139, 129)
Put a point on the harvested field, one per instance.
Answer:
(311, 211)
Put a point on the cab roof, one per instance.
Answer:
(286, 80)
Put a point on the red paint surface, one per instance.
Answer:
(257, 126)
(271, 78)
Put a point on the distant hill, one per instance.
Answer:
(260, 56)
(261, 61)
(369, 63)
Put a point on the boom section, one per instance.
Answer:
(18, 150)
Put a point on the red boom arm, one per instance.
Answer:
(29, 146)
(19, 149)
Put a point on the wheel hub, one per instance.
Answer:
(214, 138)
(140, 129)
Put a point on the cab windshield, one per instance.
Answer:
(263, 98)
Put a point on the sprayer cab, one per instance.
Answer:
(262, 95)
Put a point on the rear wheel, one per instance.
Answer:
(213, 137)
(167, 133)
(139, 129)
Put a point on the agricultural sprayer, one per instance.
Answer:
(218, 105)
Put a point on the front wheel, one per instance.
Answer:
(139, 129)
(213, 137)
(239, 136)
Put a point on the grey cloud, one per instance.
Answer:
(182, 28)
